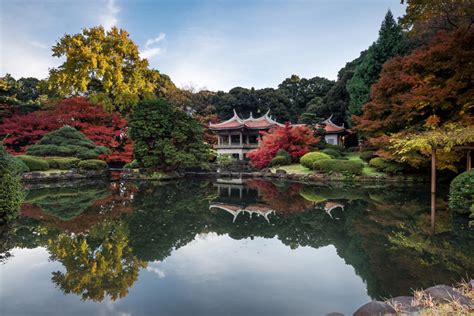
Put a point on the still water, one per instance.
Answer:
(207, 247)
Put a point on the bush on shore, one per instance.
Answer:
(332, 152)
(367, 155)
(347, 167)
(34, 163)
(11, 189)
(386, 166)
(310, 158)
(461, 192)
(282, 158)
(62, 163)
(92, 164)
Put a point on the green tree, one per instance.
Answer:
(300, 91)
(66, 142)
(106, 66)
(165, 137)
(391, 42)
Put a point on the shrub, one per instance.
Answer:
(310, 158)
(17, 165)
(132, 165)
(367, 155)
(11, 190)
(283, 153)
(34, 163)
(62, 163)
(334, 147)
(225, 160)
(66, 142)
(92, 164)
(279, 161)
(347, 167)
(461, 192)
(387, 166)
(11, 196)
(332, 152)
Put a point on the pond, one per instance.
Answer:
(226, 247)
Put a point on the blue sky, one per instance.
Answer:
(213, 44)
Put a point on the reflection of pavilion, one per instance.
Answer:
(235, 210)
(330, 206)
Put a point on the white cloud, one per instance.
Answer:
(108, 18)
(154, 268)
(38, 44)
(24, 58)
(150, 49)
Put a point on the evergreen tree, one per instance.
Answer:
(391, 42)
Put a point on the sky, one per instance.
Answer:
(204, 44)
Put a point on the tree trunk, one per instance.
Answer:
(433, 170)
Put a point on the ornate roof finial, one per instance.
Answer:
(251, 115)
(235, 113)
(268, 112)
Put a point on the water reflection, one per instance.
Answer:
(104, 234)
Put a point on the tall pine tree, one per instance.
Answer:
(391, 42)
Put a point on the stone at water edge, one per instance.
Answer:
(401, 301)
(375, 308)
(445, 294)
(471, 285)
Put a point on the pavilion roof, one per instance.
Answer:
(235, 122)
(332, 128)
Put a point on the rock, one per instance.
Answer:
(280, 173)
(471, 284)
(375, 308)
(401, 301)
(444, 294)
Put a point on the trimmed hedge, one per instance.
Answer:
(367, 155)
(132, 165)
(283, 153)
(387, 166)
(461, 192)
(34, 163)
(334, 147)
(310, 158)
(66, 142)
(332, 152)
(279, 161)
(92, 164)
(348, 167)
(17, 165)
(62, 163)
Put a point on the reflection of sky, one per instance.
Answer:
(213, 275)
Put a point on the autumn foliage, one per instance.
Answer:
(103, 128)
(296, 140)
(427, 89)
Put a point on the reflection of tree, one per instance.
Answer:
(96, 265)
(383, 232)
(66, 202)
(117, 201)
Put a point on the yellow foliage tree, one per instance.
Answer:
(106, 66)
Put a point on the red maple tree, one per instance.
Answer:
(296, 140)
(103, 128)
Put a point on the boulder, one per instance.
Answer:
(444, 294)
(471, 285)
(280, 173)
(375, 308)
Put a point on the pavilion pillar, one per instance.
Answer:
(241, 142)
(433, 170)
(468, 160)
(230, 140)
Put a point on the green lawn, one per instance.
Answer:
(294, 168)
(368, 170)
